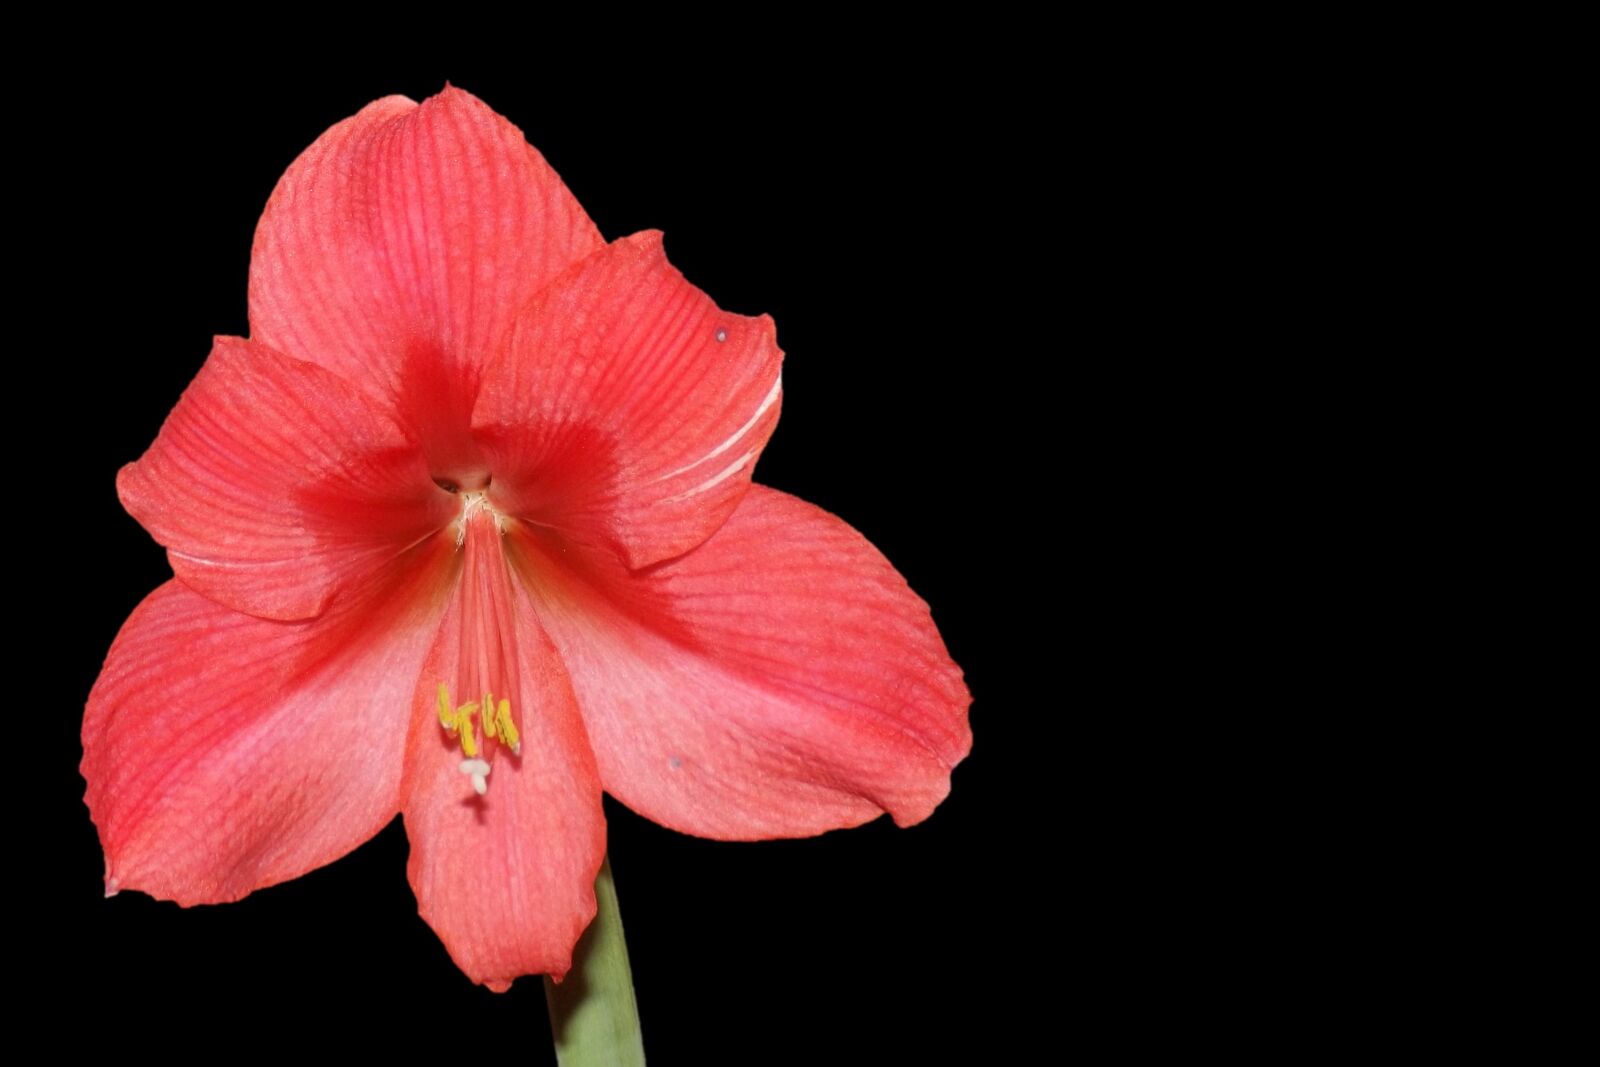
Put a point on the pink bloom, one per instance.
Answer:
(465, 531)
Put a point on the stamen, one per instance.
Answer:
(459, 720)
(507, 728)
(469, 740)
(485, 654)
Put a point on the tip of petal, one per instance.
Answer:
(453, 96)
(453, 92)
(646, 244)
(651, 238)
(125, 486)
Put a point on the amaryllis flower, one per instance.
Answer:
(465, 531)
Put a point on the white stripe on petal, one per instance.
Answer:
(772, 398)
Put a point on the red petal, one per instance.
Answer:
(631, 410)
(225, 753)
(406, 238)
(506, 879)
(780, 680)
(273, 484)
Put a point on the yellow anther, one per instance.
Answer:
(494, 719)
(507, 729)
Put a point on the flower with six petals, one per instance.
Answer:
(466, 531)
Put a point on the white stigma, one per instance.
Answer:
(478, 771)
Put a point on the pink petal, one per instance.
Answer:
(505, 879)
(225, 753)
(273, 484)
(630, 410)
(780, 680)
(404, 240)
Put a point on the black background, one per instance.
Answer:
(867, 222)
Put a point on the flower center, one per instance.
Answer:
(486, 660)
(476, 507)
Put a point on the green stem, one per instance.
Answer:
(592, 1013)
